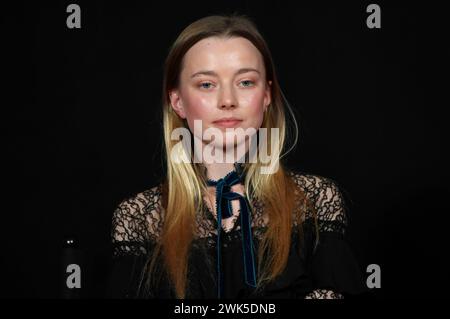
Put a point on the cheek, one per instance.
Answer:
(197, 107)
(254, 109)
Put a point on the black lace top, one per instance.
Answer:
(321, 269)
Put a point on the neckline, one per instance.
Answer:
(237, 168)
(210, 215)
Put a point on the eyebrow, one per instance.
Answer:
(212, 73)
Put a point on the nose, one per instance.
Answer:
(227, 98)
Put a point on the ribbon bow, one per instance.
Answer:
(224, 196)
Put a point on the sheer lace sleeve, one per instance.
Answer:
(327, 199)
(136, 221)
(136, 224)
(333, 267)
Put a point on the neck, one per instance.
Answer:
(216, 171)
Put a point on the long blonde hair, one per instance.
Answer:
(185, 183)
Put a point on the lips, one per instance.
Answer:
(228, 122)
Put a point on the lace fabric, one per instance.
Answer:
(139, 219)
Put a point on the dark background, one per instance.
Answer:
(81, 108)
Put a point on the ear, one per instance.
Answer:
(268, 95)
(177, 103)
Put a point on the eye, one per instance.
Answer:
(247, 83)
(205, 85)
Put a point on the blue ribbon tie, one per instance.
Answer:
(224, 197)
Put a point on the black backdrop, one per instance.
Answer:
(82, 115)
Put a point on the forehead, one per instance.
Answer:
(222, 55)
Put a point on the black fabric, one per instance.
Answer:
(224, 198)
(325, 268)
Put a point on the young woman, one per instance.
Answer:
(236, 228)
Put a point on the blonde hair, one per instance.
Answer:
(185, 182)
